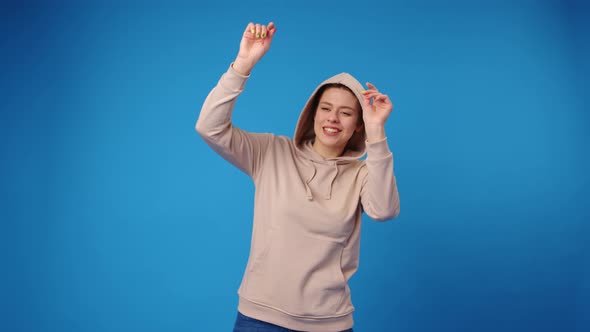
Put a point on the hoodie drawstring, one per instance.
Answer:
(313, 174)
(307, 188)
(329, 195)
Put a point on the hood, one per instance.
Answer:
(304, 133)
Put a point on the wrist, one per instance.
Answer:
(375, 133)
(242, 67)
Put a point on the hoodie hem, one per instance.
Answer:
(280, 318)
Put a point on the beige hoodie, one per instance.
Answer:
(307, 211)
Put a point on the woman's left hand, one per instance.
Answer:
(375, 114)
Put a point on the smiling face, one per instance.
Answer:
(336, 119)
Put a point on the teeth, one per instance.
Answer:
(331, 130)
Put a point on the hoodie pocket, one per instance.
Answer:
(300, 275)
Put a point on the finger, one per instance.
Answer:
(263, 32)
(383, 100)
(368, 99)
(271, 29)
(250, 30)
(258, 30)
(371, 86)
(366, 96)
(371, 94)
(382, 97)
(366, 104)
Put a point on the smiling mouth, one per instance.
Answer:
(331, 130)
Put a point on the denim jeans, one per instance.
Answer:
(248, 324)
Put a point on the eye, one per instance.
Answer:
(346, 113)
(325, 109)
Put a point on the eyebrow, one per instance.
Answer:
(330, 104)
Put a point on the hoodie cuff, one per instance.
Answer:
(378, 150)
(234, 81)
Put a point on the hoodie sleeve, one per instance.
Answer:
(244, 150)
(379, 195)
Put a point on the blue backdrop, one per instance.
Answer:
(115, 216)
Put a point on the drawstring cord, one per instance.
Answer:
(307, 188)
(328, 195)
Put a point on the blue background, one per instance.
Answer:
(115, 216)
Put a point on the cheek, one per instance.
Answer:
(317, 121)
(352, 124)
(315, 118)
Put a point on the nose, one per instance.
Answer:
(333, 116)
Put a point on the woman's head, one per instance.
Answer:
(337, 116)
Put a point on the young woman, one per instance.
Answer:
(310, 193)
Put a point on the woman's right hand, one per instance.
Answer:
(255, 43)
